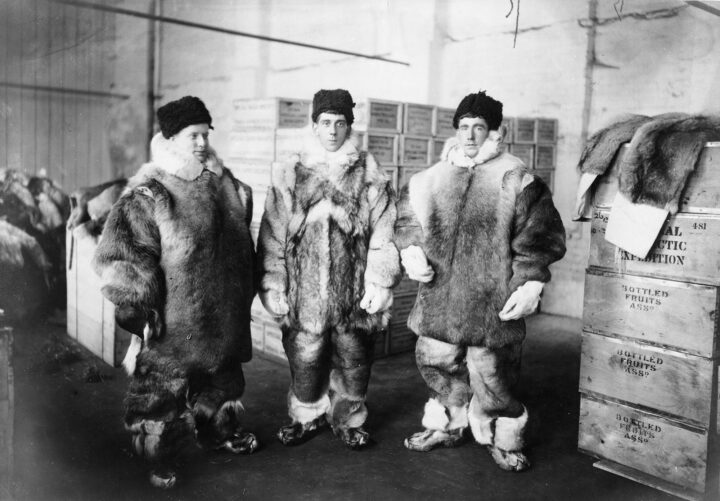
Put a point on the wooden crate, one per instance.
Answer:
(667, 449)
(266, 144)
(524, 131)
(648, 376)
(666, 313)
(406, 286)
(383, 146)
(544, 156)
(701, 193)
(525, 152)
(271, 113)
(686, 249)
(402, 305)
(443, 122)
(378, 115)
(7, 412)
(255, 173)
(546, 130)
(418, 119)
(416, 151)
(91, 317)
(437, 148)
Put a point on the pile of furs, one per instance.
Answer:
(33, 212)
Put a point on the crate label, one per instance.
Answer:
(444, 122)
(652, 310)
(544, 156)
(272, 113)
(418, 119)
(686, 248)
(293, 114)
(546, 130)
(643, 441)
(383, 148)
(657, 378)
(416, 151)
(524, 130)
(384, 116)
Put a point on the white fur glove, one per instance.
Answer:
(376, 298)
(523, 301)
(416, 265)
(275, 302)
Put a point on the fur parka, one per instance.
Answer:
(178, 242)
(487, 226)
(326, 233)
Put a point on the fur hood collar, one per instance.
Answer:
(165, 154)
(453, 152)
(313, 155)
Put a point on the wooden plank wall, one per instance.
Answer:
(47, 44)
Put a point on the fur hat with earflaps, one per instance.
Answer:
(481, 105)
(176, 115)
(337, 100)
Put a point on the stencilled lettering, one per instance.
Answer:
(638, 364)
(637, 431)
(643, 298)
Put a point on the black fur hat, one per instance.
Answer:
(337, 100)
(483, 106)
(176, 115)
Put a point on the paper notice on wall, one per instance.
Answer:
(634, 227)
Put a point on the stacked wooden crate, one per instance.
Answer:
(649, 367)
(534, 141)
(90, 317)
(7, 412)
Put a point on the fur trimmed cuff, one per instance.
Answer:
(124, 283)
(383, 266)
(438, 417)
(301, 412)
(510, 432)
(480, 424)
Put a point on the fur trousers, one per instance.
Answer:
(166, 406)
(473, 386)
(330, 372)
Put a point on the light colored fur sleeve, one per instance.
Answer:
(127, 257)
(272, 242)
(383, 261)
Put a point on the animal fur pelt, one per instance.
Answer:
(661, 156)
(93, 204)
(602, 147)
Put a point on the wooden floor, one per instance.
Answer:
(70, 443)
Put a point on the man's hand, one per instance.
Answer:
(416, 265)
(376, 298)
(275, 302)
(523, 301)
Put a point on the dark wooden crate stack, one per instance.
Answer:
(7, 412)
(534, 141)
(650, 344)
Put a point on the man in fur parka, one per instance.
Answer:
(328, 266)
(478, 231)
(177, 260)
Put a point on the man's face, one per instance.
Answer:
(472, 133)
(194, 139)
(331, 129)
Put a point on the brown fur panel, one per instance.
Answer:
(602, 147)
(662, 155)
(127, 262)
(272, 241)
(539, 235)
(408, 230)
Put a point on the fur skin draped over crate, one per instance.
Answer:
(663, 152)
